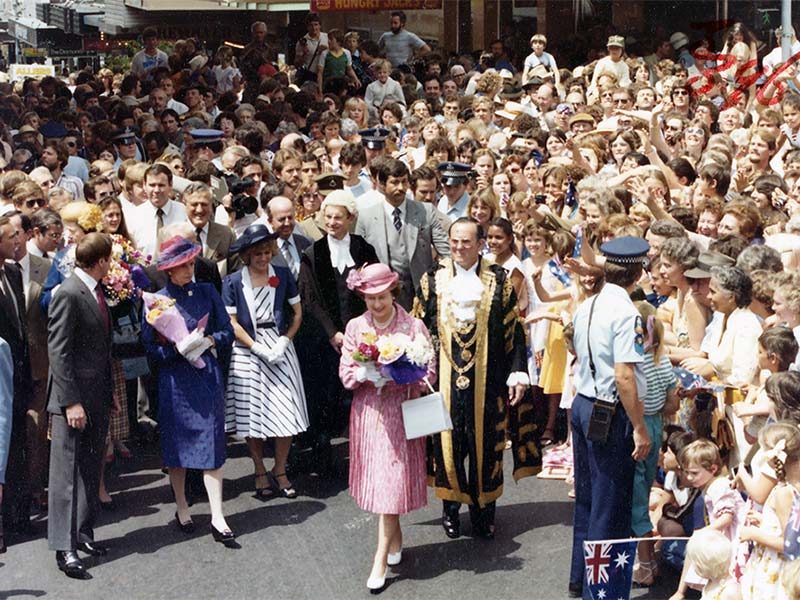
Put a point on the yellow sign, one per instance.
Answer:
(34, 52)
(18, 72)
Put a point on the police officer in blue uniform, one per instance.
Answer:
(608, 429)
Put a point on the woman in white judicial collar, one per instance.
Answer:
(265, 396)
(387, 471)
(608, 428)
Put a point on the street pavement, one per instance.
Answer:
(318, 546)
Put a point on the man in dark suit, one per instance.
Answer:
(281, 220)
(15, 499)
(330, 304)
(79, 399)
(34, 271)
(216, 239)
(402, 231)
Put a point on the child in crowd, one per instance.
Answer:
(781, 442)
(702, 464)
(709, 552)
(675, 506)
(777, 349)
(661, 398)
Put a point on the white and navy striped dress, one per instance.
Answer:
(265, 400)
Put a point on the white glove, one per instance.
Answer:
(381, 381)
(189, 343)
(361, 374)
(278, 351)
(196, 352)
(261, 351)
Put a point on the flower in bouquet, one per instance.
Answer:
(404, 359)
(392, 347)
(125, 275)
(166, 319)
(367, 351)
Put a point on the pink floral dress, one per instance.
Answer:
(387, 471)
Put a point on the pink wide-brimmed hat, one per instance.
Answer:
(372, 279)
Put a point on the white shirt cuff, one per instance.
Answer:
(517, 378)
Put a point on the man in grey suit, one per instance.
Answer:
(402, 231)
(216, 239)
(79, 399)
(281, 220)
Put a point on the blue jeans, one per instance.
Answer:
(643, 477)
(603, 483)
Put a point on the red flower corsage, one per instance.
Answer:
(273, 281)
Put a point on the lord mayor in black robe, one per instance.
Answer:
(475, 361)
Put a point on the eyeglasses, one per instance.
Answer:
(309, 196)
(516, 169)
(72, 144)
(53, 235)
(35, 202)
(606, 95)
(621, 100)
(680, 92)
(695, 130)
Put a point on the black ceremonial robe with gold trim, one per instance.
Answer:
(466, 464)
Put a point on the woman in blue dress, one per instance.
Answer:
(192, 400)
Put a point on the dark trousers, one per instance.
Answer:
(603, 484)
(479, 517)
(37, 444)
(16, 495)
(74, 480)
(327, 401)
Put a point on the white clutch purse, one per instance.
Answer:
(425, 416)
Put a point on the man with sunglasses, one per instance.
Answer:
(55, 156)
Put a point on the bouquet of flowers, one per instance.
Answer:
(126, 274)
(394, 357)
(167, 320)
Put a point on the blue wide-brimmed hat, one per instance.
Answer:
(254, 234)
(177, 251)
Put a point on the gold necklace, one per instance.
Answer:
(462, 381)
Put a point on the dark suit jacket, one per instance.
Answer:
(321, 298)
(16, 338)
(300, 242)
(36, 319)
(79, 346)
(205, 271)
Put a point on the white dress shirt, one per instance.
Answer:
(144, 224)
(88, 280)
(340, 253)
(34, 249)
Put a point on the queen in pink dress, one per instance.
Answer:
(387, 471)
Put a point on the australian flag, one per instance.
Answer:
(609, 569)
(791, 536)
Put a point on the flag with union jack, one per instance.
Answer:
(791, 536)
(609, 568)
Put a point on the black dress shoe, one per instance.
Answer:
(575, 590)
(70, 563)
(483, 531)
(93, 548)
(226, 538)
(108, 506)
(187, 527)
(451, 525)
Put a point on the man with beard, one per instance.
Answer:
(401, 45)
(55, 156)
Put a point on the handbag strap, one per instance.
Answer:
(313, 56)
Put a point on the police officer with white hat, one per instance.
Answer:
(608, 428)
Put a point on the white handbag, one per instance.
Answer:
(425, 416)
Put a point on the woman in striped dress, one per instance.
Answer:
(265, 396)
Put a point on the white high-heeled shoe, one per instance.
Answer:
(394, 558)
(375, 584)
